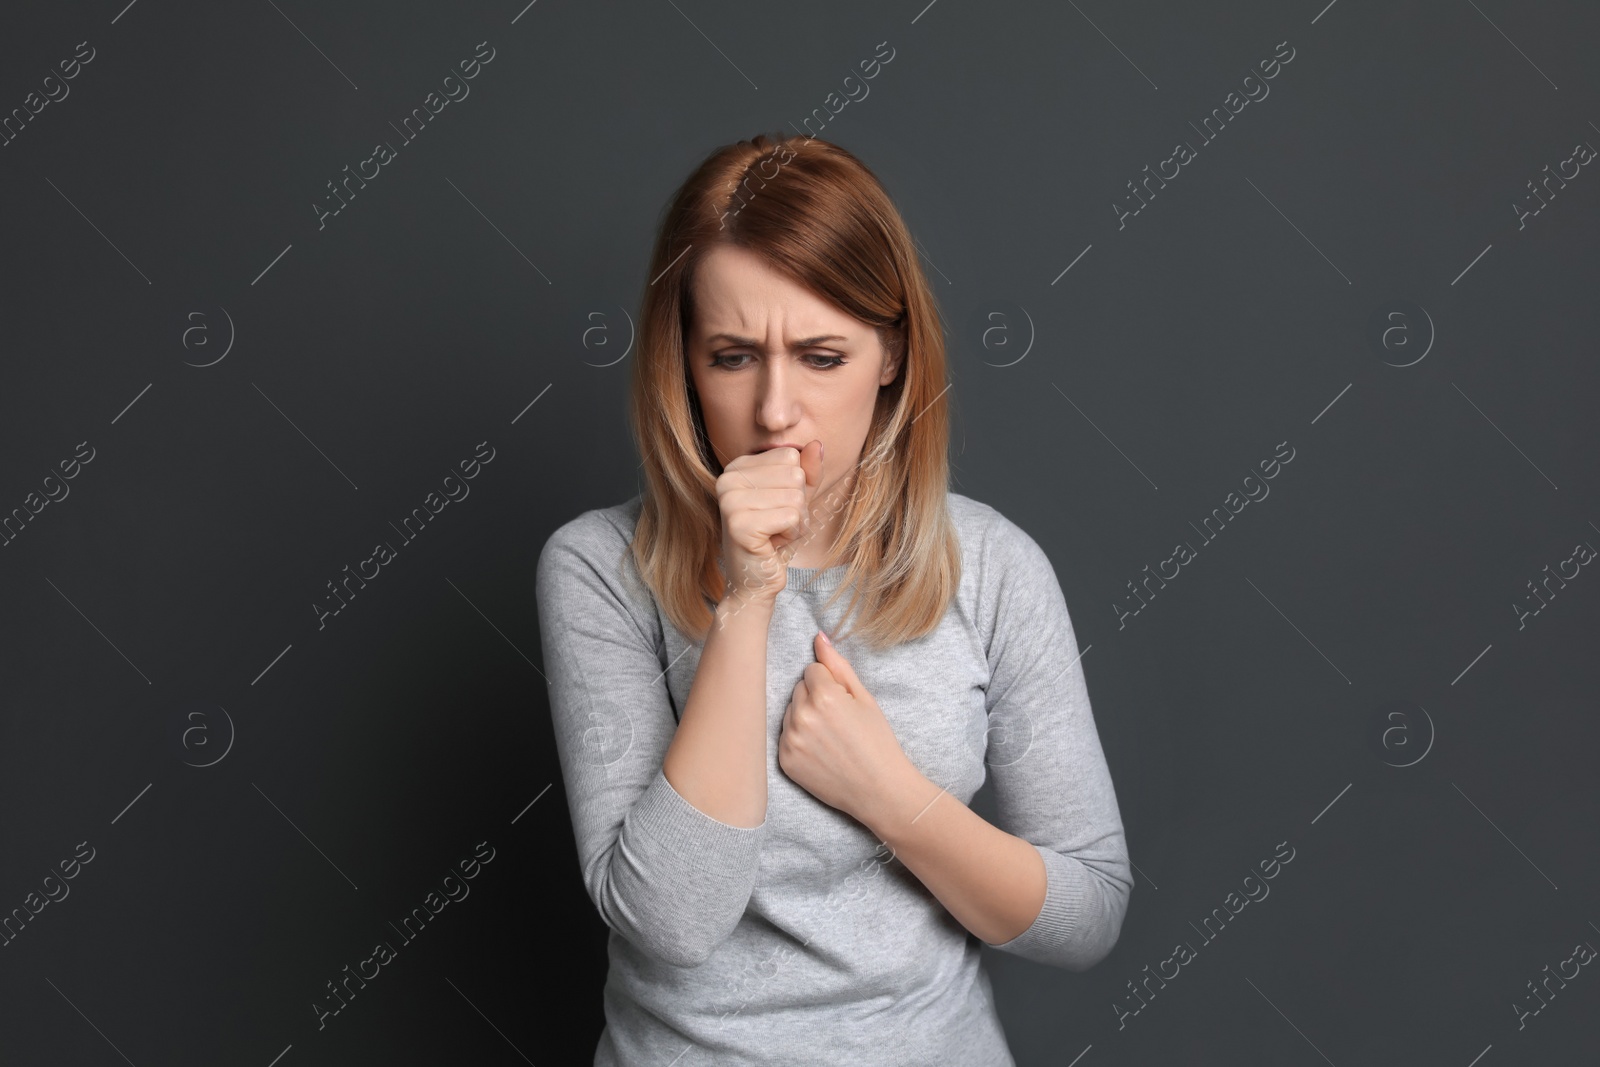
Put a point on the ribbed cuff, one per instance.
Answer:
(1066, 883)
(695, 837)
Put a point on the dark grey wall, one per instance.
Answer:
(219, 395)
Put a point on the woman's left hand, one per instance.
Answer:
(836, 743)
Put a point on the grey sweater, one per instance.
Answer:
(803, 940)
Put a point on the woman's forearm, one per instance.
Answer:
(717, 760)
(991, 881)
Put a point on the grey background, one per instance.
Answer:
(1342, 669)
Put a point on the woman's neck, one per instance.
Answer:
(815, 544)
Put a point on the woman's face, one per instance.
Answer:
(773, 363)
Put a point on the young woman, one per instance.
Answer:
(771, 812)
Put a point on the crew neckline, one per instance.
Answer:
(815, 579)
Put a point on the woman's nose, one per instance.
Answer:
(774, 399)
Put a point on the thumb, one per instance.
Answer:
(811, 463)
(831, 658)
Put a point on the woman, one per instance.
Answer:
(773, 824)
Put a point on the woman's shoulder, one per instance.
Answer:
(595, 542)
(586, 569)
(993, 546)
(982, 527)
(969, 514)
(598, 528)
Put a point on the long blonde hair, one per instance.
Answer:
(816, 214)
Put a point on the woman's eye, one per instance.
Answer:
(726, 359)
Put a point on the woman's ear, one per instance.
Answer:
(891, 368)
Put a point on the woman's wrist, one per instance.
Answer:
(747, 604)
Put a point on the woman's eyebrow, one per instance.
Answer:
(750, 342)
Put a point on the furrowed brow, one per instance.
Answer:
(750, 342)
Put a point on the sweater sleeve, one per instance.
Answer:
(664, 875)
(1051, 783)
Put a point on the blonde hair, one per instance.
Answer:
(816, 214)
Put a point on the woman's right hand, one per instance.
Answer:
(765, 500)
